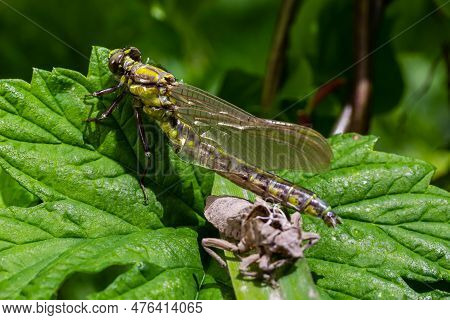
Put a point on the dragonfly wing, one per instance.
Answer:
(197, 97)
(207, 154)
(267, 144)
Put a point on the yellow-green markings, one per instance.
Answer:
(293, 200)
(150, 73)
(148, 95)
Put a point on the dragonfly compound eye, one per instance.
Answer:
(134, 53)
(115, 62)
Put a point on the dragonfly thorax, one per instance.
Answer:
(147, 83)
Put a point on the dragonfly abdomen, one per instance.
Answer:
(270, 186)
(191, 148)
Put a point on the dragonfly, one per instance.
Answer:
(210, 132)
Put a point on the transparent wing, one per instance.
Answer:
(267, 144)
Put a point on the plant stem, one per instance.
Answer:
(363, 85)
(343, 123)
(277, 53)
(356, 114)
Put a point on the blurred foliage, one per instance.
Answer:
(222, 46)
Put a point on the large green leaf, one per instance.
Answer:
(90, 217)
(38, 257)
(394, 242)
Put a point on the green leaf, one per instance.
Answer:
(217, 281)
(89, 217)
(211, 290)
(42, 247)
(394, 242)
(12, 193)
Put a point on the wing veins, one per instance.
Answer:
(220, 122)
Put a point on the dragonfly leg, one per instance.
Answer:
(108, 111)
(142, 185)
(145, 145)
(141, 131)
(107, 90)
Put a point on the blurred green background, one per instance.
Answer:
(224, 46)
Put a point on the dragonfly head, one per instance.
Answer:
(118, 57)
